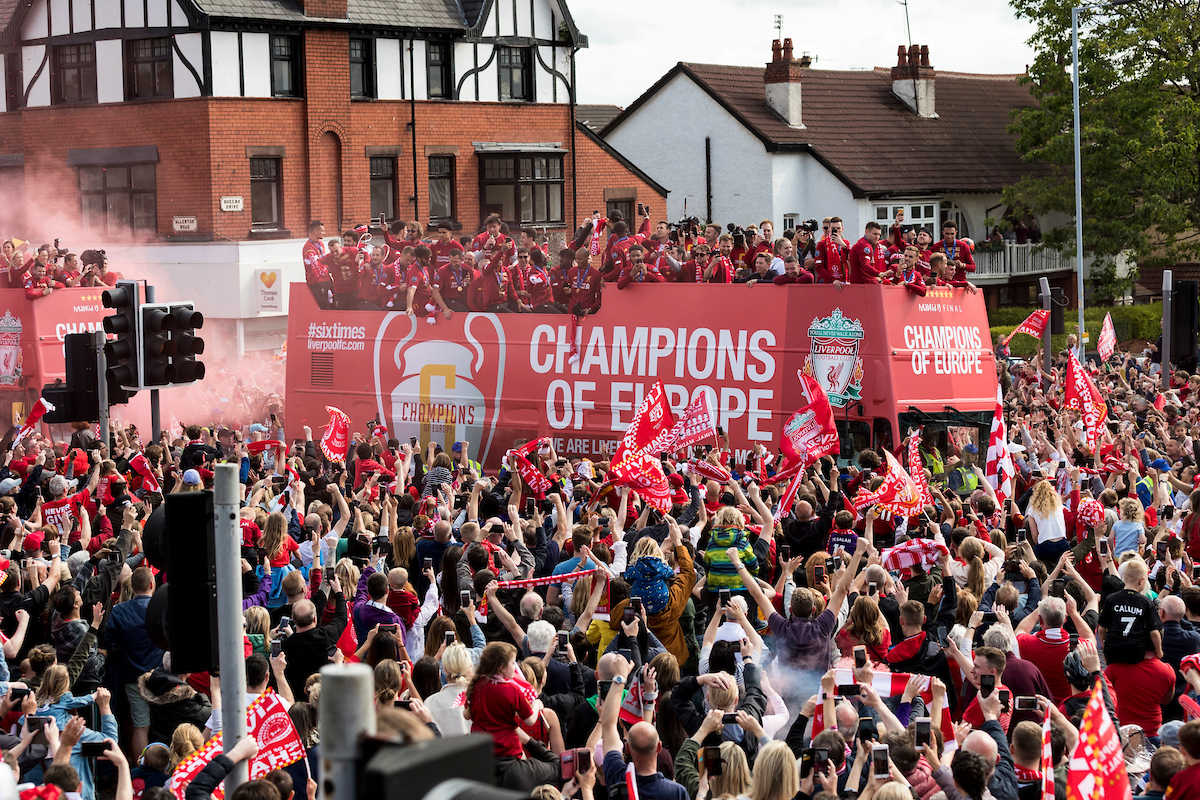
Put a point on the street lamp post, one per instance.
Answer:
(1078, 162)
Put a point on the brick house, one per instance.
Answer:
(209, 132)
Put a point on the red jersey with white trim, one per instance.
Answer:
(441, 252)
(344, 268)
(532, 284)
(416, 276)
(455, 283)
(59, 513)
(480, 243)
(620, 251)
(867, 261)
(583, 287)
(314, 270)
(830, 262)
(958, 251)
(493, 285)
(40, 288)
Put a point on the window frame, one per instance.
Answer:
(57, 97)
(131, 231)
(446, 68)
(526, 68)
(450, 175)
(522, 176)
(132, 60)
(391, 180)
(293, 62)
(277, 180)
(368, 65)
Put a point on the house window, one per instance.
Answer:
(790, 221)
(917, 213)
(362, 69)
(441, 188)
(74, 76)
(516, 79)
(383, 187)
(150, 68)
(523, 189)
(119, 200)
(625, 207)
(440, 75)
(264, 193)
(284, 53)
(951, 211)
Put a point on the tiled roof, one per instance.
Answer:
(870, 138)
(594, 116)
(409, 13)
(251, 9)
(7, 9)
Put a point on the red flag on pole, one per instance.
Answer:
(336, 438)
(1047, 760)
(1096, 770)
(652, 420)
(35, 416)
(697, 424)
(898, 493)
(643, 473)
(1082, 395)
(811, 432)
(916, 468)
(1106, 345)
(999, 469)
(1034, 325)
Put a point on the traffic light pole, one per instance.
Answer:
(227, 552)
(101, 384)
(155, 416)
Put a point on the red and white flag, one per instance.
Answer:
(644, 474)
(652, 420)
(898, 493)
(1034, 325)
(538, 483)
(916, 467)
(999, 468)
(141, 465)
(697, 424)
(336, 438)
(789, 495)
(1096, 770)
(1082, 395)
(1106, 345)
(1047, 760)
(35, 416)
(709, 471)
(810, 432)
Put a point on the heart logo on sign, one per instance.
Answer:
(268, 278)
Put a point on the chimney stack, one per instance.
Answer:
(781, 82)
(913, 79)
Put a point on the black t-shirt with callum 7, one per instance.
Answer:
(1129, 618)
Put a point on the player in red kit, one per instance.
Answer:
(493, 288)
(958, 251)
(444, 246)
(558, 275)
(315, 273)
(454, 281)
(829, 263)
(38, 283)
(345, 268)
(583, 285)
(868, 257)
(423, 294)
(487, 242)
(620, 248)
(637, 271)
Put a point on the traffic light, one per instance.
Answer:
(157, 347)
(121, 353)
(76, 399)
(187, 344)
(182, 616)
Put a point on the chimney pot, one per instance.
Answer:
(787, 50)
(901, 56)
(775, 51)
(924, 55)
(914, 55)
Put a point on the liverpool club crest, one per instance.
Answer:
(833, 357)
(10, 349)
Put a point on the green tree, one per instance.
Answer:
(1140, 127)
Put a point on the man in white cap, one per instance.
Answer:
(62, 508)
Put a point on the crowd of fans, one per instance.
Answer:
(39, 272)
(404, 269)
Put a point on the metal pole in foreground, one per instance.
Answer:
(347, 714)
(1047, 301)
(227, 551)
(101, 383)
(155, 415)
(1166, 330)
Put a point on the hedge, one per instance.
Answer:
(1129, 322)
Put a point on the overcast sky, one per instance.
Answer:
(632, 43)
